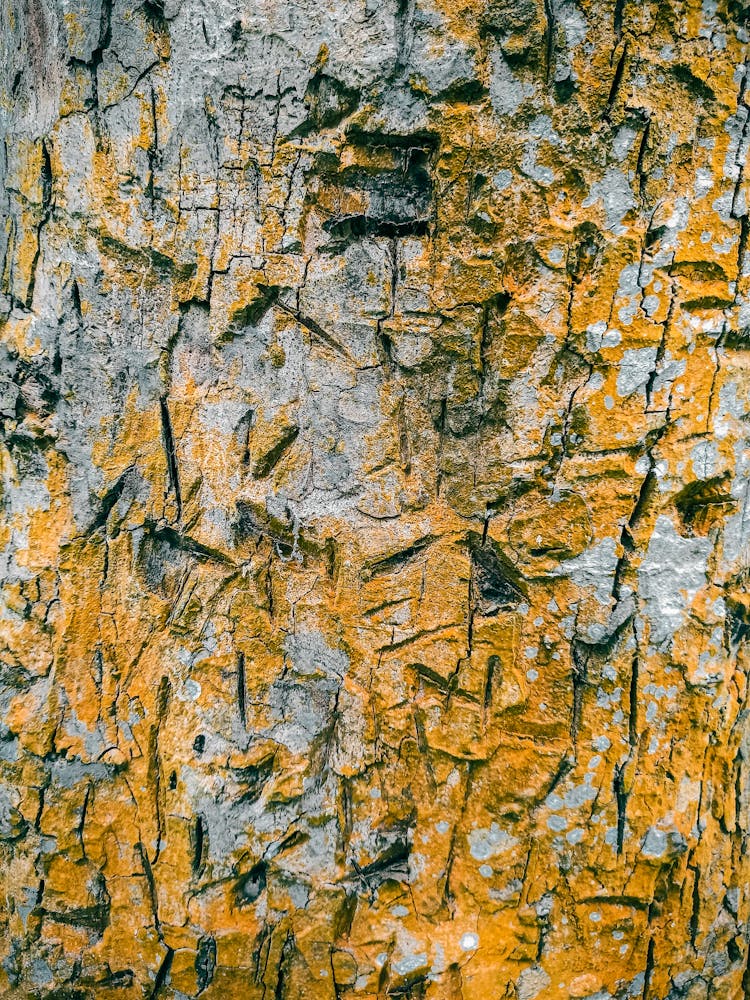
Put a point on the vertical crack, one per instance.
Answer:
(241, 689)
(199, 840)
(173, 475)
(46, 214)
(621, 799)
(154, 766)
(617, 21)
(162, 973)
(549, 38)
(579, 677)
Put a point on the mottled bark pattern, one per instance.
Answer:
(375, 472)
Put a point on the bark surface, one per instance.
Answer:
(375, 474)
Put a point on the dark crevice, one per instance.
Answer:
(173, 474)
(199, 840)
(633, 696)
(696, 907)
(742, 244)
(492, 310)
(696, 87)
(241, 689)
(184, 543)
(108, 502)
(442, 425)
(97, 54)
(162, 974)
(395, 562)
(250, 886)
(252, 313)
(404, 447)
(393, 140)
(649, 971)
(329, 102)
(355, 226)
(494, 672)
(579, 678)
(264, 465)
(564, 768)
(404, 17)
(496, 583)
(618, 20)
(433, 678)
(94, 918)
(549, 38)
(397, 196)
(640, 173)
(148, 873)
(253, 778)
(46, 213)
(313, 327)
(707, 302)
(152, 152)
(391, 865)
(737, 625)
(105, 32)
(696, 502)
(161, 708)
(205, 963)
(120, 979)
(621, 800)
(699, 270)
(287, 953)
(616, 82)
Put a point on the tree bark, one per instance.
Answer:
(375, 474)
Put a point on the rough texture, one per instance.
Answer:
(374, 392)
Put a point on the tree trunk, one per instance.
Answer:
(374, 389)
